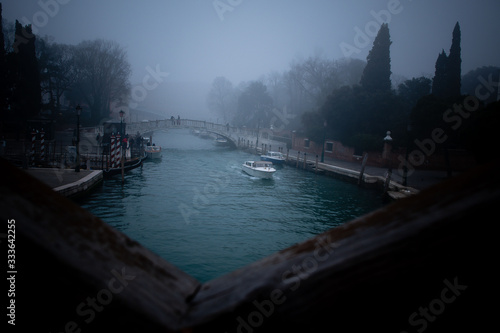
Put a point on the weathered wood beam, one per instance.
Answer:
(76, 272)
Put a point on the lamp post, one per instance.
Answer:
(387, 155)
(78, 112)
(122, 113)
(405, 167)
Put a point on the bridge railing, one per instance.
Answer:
(240, 135)
(146, 126)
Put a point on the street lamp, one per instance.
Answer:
(387, 155)
(78, 112)
(122, 113)
(405, 167)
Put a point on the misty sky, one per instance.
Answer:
(244, 39)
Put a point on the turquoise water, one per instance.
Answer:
(196, 208)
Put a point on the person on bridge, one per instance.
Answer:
(178, 120)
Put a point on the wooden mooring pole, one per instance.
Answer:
(363, 164)
(123, 167)
(387, 180)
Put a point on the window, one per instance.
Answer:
(329, 147)
(306, 143)
(358, 152)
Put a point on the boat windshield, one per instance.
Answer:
(263, 164)
(274, 154)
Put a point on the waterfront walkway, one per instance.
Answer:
(419, 179)
(70, 183)
(416, 180)
(66, 181)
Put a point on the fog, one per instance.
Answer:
(187, 43)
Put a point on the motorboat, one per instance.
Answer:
(222, 142)
(153, 152)
(260, 169)
(275, 157)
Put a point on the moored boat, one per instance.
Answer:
(153, 152)
(275, 157)
(260, 169)
(128, 165)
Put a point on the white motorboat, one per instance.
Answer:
(221, 142)
(153, 152)
(275, 157)
(260, 169)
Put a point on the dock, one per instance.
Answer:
(372, 177)
(67, 182)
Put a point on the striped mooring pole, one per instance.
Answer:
(42, 145)
(118, 155)
(33, 138)
(112, 151)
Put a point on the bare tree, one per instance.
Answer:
(277, 89)
(221, 99)
(349, 71)
(57, 71)
(102, 76)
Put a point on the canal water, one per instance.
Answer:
(196, 208)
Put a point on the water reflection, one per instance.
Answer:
(198, 210)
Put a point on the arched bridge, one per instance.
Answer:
(236, 136)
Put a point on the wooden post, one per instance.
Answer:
(298, 159)
(305, 160)
(363, 164)
(123, 168)
(387, 155)
(316, 168)
(54, 152)
(387, 180)
(287, 152)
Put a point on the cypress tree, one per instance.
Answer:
(455, 64)
(448, 75)
(377, 73)
(440, 81)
